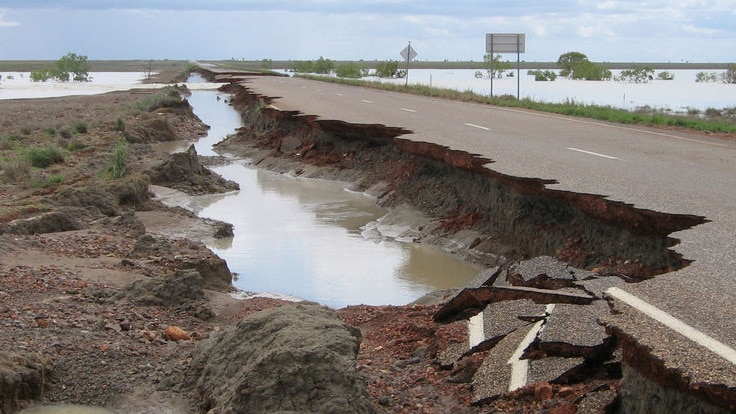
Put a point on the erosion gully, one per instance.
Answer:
(309, 238)
(448, 198)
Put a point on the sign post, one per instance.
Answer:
(408, 53)
(506, 43)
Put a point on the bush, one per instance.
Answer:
(729, 76)
(120, 125)
(75, 145)
(118, 161)
(349, 70)
(389, 69)
(45, 156)
(16, 171)
(706, 77)
(165, 98)
(543, 75)
(590, 71)
(640, 74)
(79, 128)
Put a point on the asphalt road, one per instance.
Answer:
(654, 169)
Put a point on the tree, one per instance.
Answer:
(640, 74)
(590, 71)
(729, 76)
(494, 66)
(323, 66)
(70, 66)
(568, 61)
(73, 64)
(389, 69)
(577, 66)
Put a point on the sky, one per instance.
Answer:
(605, 31)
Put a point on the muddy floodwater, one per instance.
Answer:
(304, 237)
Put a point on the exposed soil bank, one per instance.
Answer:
(492, 216)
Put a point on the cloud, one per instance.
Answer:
(7, 23)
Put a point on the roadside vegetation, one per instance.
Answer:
(574, 65)
(712, 120)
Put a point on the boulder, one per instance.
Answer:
(294, 358)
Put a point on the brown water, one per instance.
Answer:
(304, 238)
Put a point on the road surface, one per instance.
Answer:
(660, 170)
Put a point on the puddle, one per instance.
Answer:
(302, 237)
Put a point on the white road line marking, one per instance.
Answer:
(478, 126)
(367, 101)
(719, 348)
(408, 110)
(476, 330)
(339, 94)
(592, 153)
(520, 367)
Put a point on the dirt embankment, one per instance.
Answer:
(509, 218)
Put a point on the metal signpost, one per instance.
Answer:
(506, 43)
(408, 53)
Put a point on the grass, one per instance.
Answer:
(44, 156)
(570, 108)
(166, 97)
(118, 160)
(16, 171)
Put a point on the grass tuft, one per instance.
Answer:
(44, 156)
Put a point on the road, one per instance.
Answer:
(667, 171)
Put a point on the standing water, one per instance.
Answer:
(302, 237)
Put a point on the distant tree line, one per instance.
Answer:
(573, 65)
(323, 66)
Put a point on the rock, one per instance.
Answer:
(175, 333)
(182, 171)
(22, 377)
(298, 358)
(130, 190)
(88, 196)
(213, 269)
(183, 289)
(50, 222)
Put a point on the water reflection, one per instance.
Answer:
(302, 237)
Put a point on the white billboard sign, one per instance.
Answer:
(505, 42)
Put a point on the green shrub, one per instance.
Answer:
(118, 161)
(164, 98)
(349, 70)
(46, 180)
(75, 145)
(65, 133)
(50, 131)
(120, 125)
(44, 156)
(25, 131)
(79, 128)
